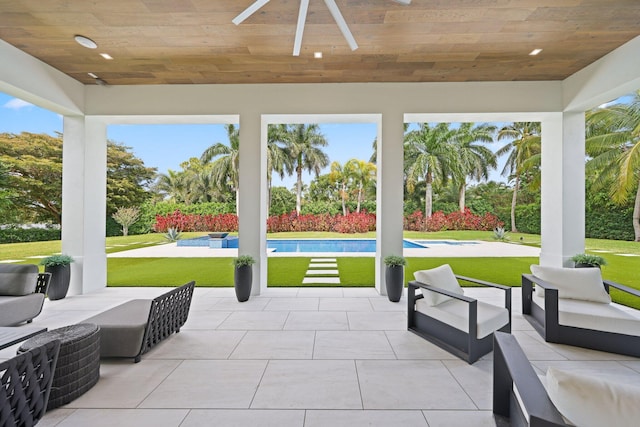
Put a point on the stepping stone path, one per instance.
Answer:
(322, 271)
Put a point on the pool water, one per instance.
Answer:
(318, 245)
(328, 245)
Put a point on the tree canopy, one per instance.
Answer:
(31, 177)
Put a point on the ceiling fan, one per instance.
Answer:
(302, 17)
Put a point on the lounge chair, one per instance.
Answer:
(567, 397)
(439, 312)
(572, 306)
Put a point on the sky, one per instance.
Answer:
(166, 146)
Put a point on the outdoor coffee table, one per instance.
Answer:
(78, 367)
(10, 335)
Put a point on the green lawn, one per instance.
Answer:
(353, 271)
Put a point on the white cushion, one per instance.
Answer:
(18, 279)
(456, 313)
(440, 277)
(595, 315)
(573, 283)
(589, 401)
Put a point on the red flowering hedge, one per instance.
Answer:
(195, 222)
(350, 223)
(454, 221)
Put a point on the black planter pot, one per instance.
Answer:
(59, 284)
(242, 282)
(394, 277)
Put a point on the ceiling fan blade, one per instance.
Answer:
(344, 28)
(302, 18)
(249, 11)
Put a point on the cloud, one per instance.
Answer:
(16, 104)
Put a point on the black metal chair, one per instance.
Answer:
(512, 371)
(462, 342)
(26, 384)
(546, 320)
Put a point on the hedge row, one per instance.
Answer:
(21, 235)
(440, 221)
(351, 223)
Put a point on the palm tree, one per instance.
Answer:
(362, 173)
(224, 170)
(174, 185)
(303, 145)
(339, 176)
(374, 146)
(278, 158)
(430, 156)
(475, 158)
(524, 146)
(613, 143)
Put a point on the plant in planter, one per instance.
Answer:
(58, 266)
(586, 260)
(243, 276)
(394, 276)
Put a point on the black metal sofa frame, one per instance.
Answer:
(134, 327)
(459, 343)
(25, 385)
(511, 367)
(546, 322)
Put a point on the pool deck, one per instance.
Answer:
(478, 249)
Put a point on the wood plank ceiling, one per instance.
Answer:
(195, 42)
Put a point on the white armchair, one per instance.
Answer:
(439, 312)
(572, 306)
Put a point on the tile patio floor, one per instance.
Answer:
(298, 357)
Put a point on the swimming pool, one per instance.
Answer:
(299, 245)
(316, 245)
(329, 245)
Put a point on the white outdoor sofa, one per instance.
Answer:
(572, 306)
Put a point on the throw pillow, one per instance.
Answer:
(439, 277)
(574, 283)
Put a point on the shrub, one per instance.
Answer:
(21, 235)
(454, 221)
(351, 223)
(172, 235)
(56, 260)
(394, 260)
(195, 222)
(243, 261)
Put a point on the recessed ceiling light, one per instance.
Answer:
(92, 75)
(317, 55)
(106, 56)
(534, 52)
(85, 41)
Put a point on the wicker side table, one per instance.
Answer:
(78, 367)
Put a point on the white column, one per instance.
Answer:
(95, 205)
(563, 199)
(252, 224)
(389, 195)
(84, 202)
(73, 155)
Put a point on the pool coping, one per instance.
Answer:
(478, 250)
